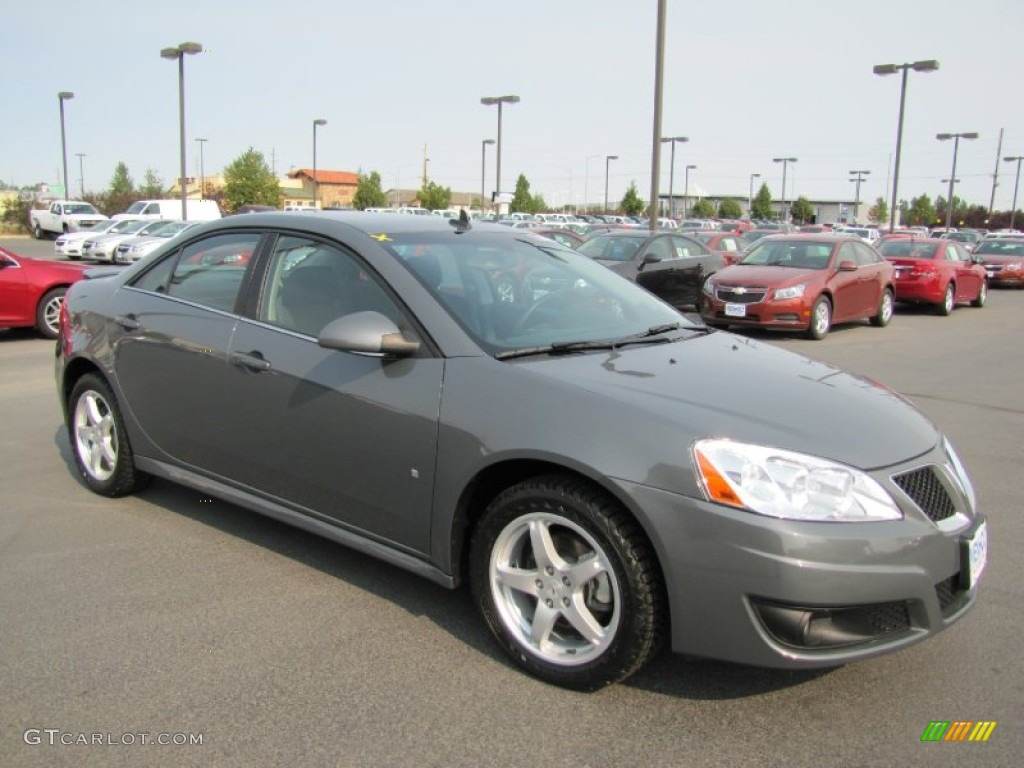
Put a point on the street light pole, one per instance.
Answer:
(928, 65)
(783, 214)
(202, 169)
(672, 171)
(952, 176)
(81, 173)
(607, 160)
(499, 100)
(656, 140)
(178, 52)
(686, 189)
(316, 124)
(856, 200)
(1016, 183)
(750, 197)
(483, 170)
(62, 97)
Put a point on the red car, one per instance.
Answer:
(936, 271)
(729, 245)
(1003, 259)
(801, 282)
(32, 291)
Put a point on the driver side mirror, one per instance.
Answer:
(650, 258)
(847, 266)
(367, 333)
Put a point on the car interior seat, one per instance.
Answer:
(311, 297)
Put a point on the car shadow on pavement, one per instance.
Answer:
(451, 610)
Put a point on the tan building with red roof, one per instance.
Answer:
(333, 188)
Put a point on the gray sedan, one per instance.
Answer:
(481, 405)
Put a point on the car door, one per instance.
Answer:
(848, 294)
(870, 278)
(654, 268)
(16, 305)
(968, 281)
(170, 331)
(349, 438)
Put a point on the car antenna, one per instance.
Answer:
(461, 224)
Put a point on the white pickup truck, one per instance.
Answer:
(63, 216)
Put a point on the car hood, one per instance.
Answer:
(991, 258)
(52, 266)
(741, 274)
(722, 385)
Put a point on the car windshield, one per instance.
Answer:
(130, 226)
(1001, 247)
(611, 247)
(518, 292)
(788, 253)
(908, 249)
(79, 208)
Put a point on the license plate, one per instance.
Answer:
(990, 273)
(735, 310)
(976, 554)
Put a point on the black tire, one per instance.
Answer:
(37, 231)
(948, 303)
(619, 600)
(48, 311)
(982, 297)
(821, 319)
(885, 310)
(99, 442)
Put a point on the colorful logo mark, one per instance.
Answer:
(958, 730)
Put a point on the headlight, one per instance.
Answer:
(1013, 266)
(709, 288)
(792, 292)
(960, 473)
(789, 485)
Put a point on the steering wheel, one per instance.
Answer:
(547, 301)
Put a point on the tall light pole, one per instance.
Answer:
(483, 170)
(81, 173)
(656, 141)
(672, 170)
(856, 199)
(750, 197)
(686, 189)
(202, 169)
(62, 97)
(1016, 183)
(316, 124)
(607, 160)
(928, 65)
(499, 100)
(952, 176)
(784, 215)
(178, 52)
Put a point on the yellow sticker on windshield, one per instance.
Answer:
(381, 238)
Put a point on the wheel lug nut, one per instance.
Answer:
(550, 570)
(565, 581)
(565, 601)
(539, 583)
(550, 603)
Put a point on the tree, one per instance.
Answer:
(703, 209)
(921, 212)
(15, 214)
(154, 186)
(435, 197)
(632, 204)
(761, 208)
(522, 200)
(802, 210)
(249, 181)
(729, 209)
(539, 204)
(121, 182)
(879, 212)
(368, 192)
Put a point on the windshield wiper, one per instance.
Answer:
(650, 336)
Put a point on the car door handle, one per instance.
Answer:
(128, 322)
(253, 362)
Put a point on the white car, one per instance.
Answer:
(134, 248)
(70, 243)
(102, 247)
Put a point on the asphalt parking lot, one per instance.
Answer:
(171, 614)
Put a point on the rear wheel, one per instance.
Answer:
(37, 231)
(885, 308)
(982, 296)
(821, 319)
(48, 312)
(948, 300)
(567, 583)
(99, 442)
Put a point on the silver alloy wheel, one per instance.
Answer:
(949, 300)
(51, 313)
(555, 589)
(822, 318)
(887, 305)
(95, 435)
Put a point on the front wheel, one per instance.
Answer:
(567, 583)
(48, 312)
(982, 296)
(37, 231)
(821, 319)
(99, 441)
(885, 307)
(948, 301)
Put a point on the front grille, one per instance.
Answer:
(926, 490)
(885, 618)
(951, 595)
(994, 267)
(740, 295)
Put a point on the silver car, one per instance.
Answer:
(478, 404)
(101, 247)
(134, 248)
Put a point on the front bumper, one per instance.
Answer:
(777, 593)
(787, 314)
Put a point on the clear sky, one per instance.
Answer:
(745, 80)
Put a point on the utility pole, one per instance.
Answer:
(425, 161)
(995, 175)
